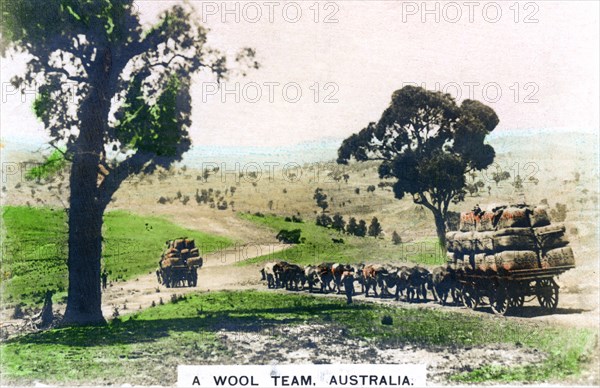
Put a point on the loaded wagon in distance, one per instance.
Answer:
(179, 263)
(507, 254)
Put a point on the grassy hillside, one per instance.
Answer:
(144, 348)
(35, 249)
(319, 246)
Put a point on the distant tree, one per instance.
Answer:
(428, 144)
(289, 236)
(321, 199)
(500, 176)
(338, 222)
(361, 229)
(270, 204)
(357, 190)
(534, 180)
(473, 188)
(518, 183)
(206, 174)
(375, 228)
(346, 177)
(324, 220)
(396, 239)
(371, 189)
(383, 185)
(352, 225)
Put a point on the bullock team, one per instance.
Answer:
(411, 283)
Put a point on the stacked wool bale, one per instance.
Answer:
(508, 238)
(181, 251)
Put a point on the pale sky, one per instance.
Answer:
(375, 48)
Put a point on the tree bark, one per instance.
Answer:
(84, 300)
(440, 226)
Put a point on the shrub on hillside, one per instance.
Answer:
(324, 220)
(289, 236)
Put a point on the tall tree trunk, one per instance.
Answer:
(84, 300)
(440, 226)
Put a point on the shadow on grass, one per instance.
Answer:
(147, 330)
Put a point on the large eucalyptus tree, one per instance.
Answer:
(115, 98)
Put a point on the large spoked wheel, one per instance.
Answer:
(469, 296)
(546, 291)
(499, 299)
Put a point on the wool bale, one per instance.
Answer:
(166, 263)
(194, 252)
(464, 242)
(450, 241)
(171, 250)
(179, 244)
(513, 217)
(515, 260)
(483, 242)
(485, 221)
(539, 216)
(514, 232)
(551, 236)
(467, 222)
(194, 262)
(490, 263)
(185, 253)
(190, 244)
(479, 262)
(515, 243)
(172, 255)
(559, 257)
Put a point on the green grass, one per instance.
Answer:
(146, 347)
(319, 246)
(35, 249)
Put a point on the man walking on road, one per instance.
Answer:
(348, 280)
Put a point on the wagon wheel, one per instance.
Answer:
(499, 299)
(546, 291)
(516, 294)
(516, 301)
(469, 296)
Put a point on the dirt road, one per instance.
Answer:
(219, 272)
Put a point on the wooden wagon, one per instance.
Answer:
(507, 291)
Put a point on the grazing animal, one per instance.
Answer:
(268, 274)
(418, 282)
(443, 284)
(291, 277)
(373, 275)
(310, 276)
(336, 271)
(278, 269)
(325, 276)
(358, 276)
(397, 277)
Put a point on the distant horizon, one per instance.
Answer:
(317, 150)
